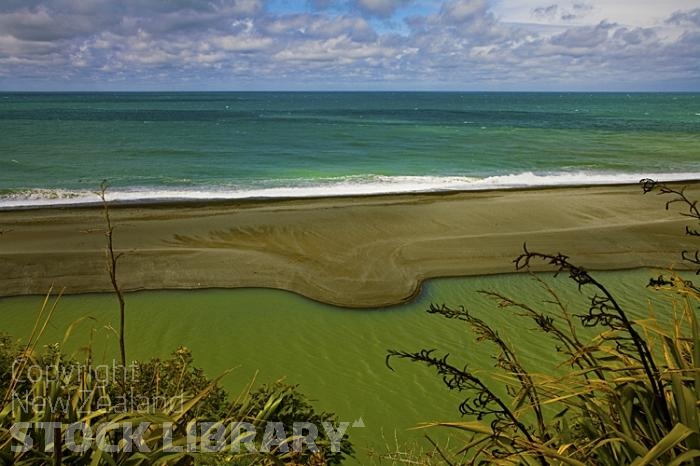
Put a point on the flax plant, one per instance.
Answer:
(632, 392)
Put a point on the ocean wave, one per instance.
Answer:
(327, 187)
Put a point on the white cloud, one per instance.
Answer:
(627, 12)
(245, 44)
(463, 10)
(341, 50)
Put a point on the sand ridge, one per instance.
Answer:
(366, 251)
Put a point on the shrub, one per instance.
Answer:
(623, 402)
(45, 385)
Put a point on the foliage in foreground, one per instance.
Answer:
(42, 385)
(632, 395)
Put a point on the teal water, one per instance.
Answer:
(58, 147)
(337, 356)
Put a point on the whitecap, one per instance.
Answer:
(356, 185)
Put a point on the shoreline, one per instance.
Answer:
(176, 197)
(371, 250)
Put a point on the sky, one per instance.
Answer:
(468, 45)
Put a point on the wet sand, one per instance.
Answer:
(350, 251)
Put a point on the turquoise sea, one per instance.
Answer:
(59, 147)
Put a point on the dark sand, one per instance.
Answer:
(351, 251)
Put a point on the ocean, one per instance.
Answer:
(56, 148)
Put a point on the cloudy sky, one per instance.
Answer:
(350, 44)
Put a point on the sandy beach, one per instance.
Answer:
(351, 251)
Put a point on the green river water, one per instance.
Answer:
(337, 356)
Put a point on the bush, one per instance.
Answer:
(622, 402)
(169, 394)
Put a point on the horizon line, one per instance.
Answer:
(347, 91)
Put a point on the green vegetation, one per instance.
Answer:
(59, 409)
(171, 395)
(631, 394)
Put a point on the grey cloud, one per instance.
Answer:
(462, 11)
(366, 8)
(634, 36)
(286, 25)
(465, 23)
(579, 10)
(607, 52)
(210, 6)
(317, 5)
(582, 7)
(7, 6)
(173, 22)
(382, 8)
(95, 8)
(691, 17)
(340, 50)
(319, 26)
(11, 46)
(65, 19)
(552, 12)
(584, 36)
(355, 28)
(181, 18)
(545, 11)
(41, 24)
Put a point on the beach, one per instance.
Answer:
(361, 251)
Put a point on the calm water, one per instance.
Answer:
(58, 147)
(336, 355)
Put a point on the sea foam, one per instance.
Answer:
(329, 187)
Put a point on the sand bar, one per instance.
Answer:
(354, 251)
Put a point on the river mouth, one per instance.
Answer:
(335, 355)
